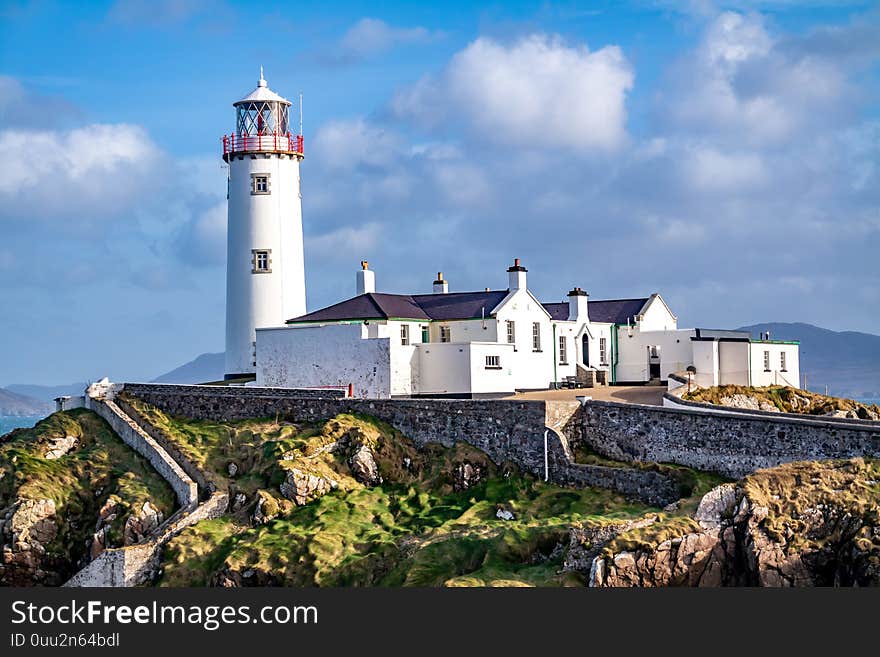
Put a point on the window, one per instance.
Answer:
(536, 336)
(426, 334)
(259, 183)
(261, 261)
(404, 334)
(493, 362)
(766, 361)
(782, 361)
(445, 334)
(603, 351)
(563, 350)
(511, 332)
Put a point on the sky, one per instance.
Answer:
(724, 155)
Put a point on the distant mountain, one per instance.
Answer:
(21, 405)
(847, 362)
(204, 368)
(46, 393)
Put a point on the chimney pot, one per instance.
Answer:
(365, 265)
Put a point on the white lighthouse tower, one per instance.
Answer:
(265, 274)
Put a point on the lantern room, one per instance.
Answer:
(262, 124)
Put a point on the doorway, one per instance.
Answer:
(585, 350)
(654, 362)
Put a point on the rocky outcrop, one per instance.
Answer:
(265, 509)
(28, 527)
(60, 446)
(142, 524)
(303, 487)
(586, 541)
(363, 466)
(801, 524)
(747, 402)
(466, 475)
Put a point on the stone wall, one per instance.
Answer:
(136, 438)
(507, 430)
(134, 564)
(238, 392)
(733, 444)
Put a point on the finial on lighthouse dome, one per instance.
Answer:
(262, 82)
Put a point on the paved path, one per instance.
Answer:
(652, 395)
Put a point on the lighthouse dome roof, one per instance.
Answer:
(262, 94)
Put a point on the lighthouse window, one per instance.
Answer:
(260, 182)
(262, 261)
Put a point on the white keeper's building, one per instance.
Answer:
(444, 344)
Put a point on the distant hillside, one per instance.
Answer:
(21, 405)
(847, 362)
(46, 393)
(204, 368)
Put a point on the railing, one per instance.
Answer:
(272, 143)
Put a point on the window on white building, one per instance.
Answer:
(511, 332)
(563, 350)
(259, 183)
(404, 334)
(766, 361)
(261, 261)
(493, 362)
(536, 336)
(445, 334)
(603, 351)
(782, 361)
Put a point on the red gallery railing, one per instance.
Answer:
(273, 143)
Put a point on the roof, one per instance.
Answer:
(262, 94)
(376, 305)
(614, 311)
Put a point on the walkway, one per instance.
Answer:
(652, 395)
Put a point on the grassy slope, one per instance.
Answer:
(786, 399)
(413, 529)
(80, 482)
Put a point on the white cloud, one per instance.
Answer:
(538, 92)
(370, 36)
(710, 169)
(344, 243)
(348, 144)
(93, 170)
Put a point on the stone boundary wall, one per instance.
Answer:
(506, 430)
(136, 438)
(238, 391)
(732, 444)
(674, 400)
(202, 479)
(132, 565)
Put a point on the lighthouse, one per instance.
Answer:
(265, 273)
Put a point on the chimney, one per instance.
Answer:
(516, 276)
(366, 279)
(441, 286)
(578, 301)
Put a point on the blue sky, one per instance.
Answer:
(722, 154)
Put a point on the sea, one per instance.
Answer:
(10, 422)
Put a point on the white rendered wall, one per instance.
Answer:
(491, 381)
(470, 330)
(262, 221)
(775, 376)
(676, 352)
(706, 362)
(596, 332)
(331, 355)
(733, 363)
(445, 368)
(530, 369)
(657, 317)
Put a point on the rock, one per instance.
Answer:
(58, 447)
(715, 505)
(466, 474)
(238, 502)
(586, 541)
(232, 469)
(748, 402)
(29, 526)
(363, 467)
(303, 487)
(265, 509)
(849, 415)
(504, 514)
(141, 525)
(33, 522)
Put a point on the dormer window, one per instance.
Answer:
(260, 183)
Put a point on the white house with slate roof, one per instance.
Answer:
(490, 343)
